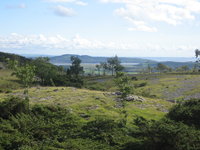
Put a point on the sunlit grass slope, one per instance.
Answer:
(90, 104)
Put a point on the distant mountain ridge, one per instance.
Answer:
(91, 59)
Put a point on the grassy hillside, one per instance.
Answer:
(89, 104)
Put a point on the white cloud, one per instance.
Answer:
(64, 11)
(140, 26)
(77, 2)
(58, 45)
(141, 13)
(17, 41)
(18, 6)
(81, 3)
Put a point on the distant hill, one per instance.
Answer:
(64, 59)
(20, 59)
(90, 59)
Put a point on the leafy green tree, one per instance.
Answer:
(114, 64)
(123, 83)
(75, 72)
(12, 64)
(25, 73)
(104, 65)
(162, 68)
(149, 69)
(47, 73)
(98, 69)
(76, 69)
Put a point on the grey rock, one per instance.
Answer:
(134, 98)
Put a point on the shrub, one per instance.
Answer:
(167, 135)
(13, 106)
(187, 112)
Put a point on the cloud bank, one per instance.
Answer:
(143, 14)
(77, 2)
(58, 44)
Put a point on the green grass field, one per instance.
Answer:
(95, 98)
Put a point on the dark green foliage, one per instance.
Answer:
(114, 65)
(167, 134)
(179, 130)
(75, 72)
(25, 73)
(134, 78)
(188, 113)
(12, 106)
(53, 128)
(104, 130)
(49, 127)
(47, 73)
(162, 68)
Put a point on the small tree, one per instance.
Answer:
(98, 69)
(76, 69)
(114, 64)
(104, 65)
(75, 72)
(26, 74)
(162, 67)
(149, 69)
(123, 83)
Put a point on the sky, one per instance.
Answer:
(131, 28)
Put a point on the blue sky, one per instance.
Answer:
(134, 28)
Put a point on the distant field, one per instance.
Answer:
(90, 68)
(168, 87)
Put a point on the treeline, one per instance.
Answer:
(5, 56)
(112, 65)
(51, 127)
(41, 71)
(162, 68)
